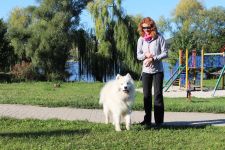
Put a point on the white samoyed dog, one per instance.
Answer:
(117, 97)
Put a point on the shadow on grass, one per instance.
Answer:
(45, 133)
(200, 101)
(197, 123)
(176, 125)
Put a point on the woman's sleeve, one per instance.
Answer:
(164, 51)
(140, 54)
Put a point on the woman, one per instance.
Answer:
(151, 50)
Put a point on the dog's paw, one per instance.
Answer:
(128, 127)
(118, 130)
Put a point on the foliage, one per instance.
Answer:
(163, 25)
(125, 36)
(210, 29)
(46, 35)
(194, 27)
(86, 95)
(6, 51)
(18, 32)
(5, 77)
(117, 35)
(86, 45)
(186, 10)
(183, 20)
(24, 72)
(42, 34)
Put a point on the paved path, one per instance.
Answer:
(176, 91)
(95, 115)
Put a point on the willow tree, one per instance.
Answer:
(19, 32)
(117, 35)
(125, 36)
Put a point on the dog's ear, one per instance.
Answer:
(128, 76)
(118, 76)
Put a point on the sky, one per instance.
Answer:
(151, 8)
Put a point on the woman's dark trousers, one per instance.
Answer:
(157, 80)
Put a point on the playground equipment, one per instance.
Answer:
(195, 66)
(176, 73)
(222, 65)
(174, 76)
(182, 72)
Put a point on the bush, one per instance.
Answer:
(24, 72)
(5, 77)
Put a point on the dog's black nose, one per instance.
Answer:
(125, 87)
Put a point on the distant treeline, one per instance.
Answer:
(36, 41)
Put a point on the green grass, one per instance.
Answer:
(86, 95)
(56, 134)
(43, 93)
(207, 84)
(211, 83)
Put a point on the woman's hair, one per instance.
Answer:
(151, 23)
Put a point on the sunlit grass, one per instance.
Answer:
(86, 95)
(56, 134)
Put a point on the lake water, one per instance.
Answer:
(73, 69)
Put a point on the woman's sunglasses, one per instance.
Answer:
(146, 28)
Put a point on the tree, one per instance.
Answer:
(163, 25)
(184, 15)
(42, 34)
(6, 51)
(117, 35)
(210, 29)
(186, 10)
(19, 33)
(194, 27)
(182, 27)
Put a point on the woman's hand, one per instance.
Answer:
(148, 61)
(148, 55)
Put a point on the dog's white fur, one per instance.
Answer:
(117, 97)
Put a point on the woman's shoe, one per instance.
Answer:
(145, 123)
(158, 125)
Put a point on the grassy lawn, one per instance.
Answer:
(56, 134)
(210, 84)
(59, 134)
(86, 95)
